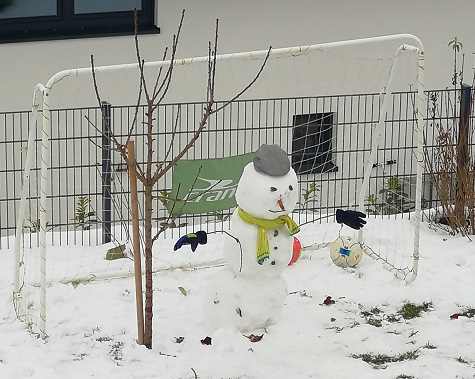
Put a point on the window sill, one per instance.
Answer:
(323, 168)
(55, 35)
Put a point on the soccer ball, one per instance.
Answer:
(346, 251)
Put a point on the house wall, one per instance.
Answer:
(248, 25)
(245, 25)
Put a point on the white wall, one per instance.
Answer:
(251, 25)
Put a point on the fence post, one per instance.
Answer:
(106, 172)
(462, 151)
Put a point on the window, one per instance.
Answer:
(312, 143)
(30, 20)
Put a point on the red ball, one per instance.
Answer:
(296, 251)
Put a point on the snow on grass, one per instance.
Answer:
(92, 327)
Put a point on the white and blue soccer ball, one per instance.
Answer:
(346, 251)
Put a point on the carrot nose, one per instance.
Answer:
(281, 204)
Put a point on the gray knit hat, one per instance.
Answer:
(271, 160)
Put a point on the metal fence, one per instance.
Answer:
(85, 168)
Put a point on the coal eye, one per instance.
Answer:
(273, 189)
(291, 188)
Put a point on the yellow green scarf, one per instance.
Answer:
(262, 241)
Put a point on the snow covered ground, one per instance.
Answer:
(92, 327)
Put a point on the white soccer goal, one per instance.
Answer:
(342, 111)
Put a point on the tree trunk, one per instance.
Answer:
(148, 267)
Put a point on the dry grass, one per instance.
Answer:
(452, 175)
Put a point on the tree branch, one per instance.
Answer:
(140, 61)
(165, 85)
(249, 85)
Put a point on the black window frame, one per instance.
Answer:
(309, 157)
(68, 25)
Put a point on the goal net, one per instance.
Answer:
(349, 115)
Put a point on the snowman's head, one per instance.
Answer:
(268, 187)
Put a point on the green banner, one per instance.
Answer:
(206, 185)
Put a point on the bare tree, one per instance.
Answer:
(153, 171)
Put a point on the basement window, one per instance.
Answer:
(36, 20)
(312, 143)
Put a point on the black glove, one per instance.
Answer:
(353, 219)
(192, 239)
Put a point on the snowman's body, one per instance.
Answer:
(249, 293)
(255, 195)
(234, 301)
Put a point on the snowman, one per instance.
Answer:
(250, 291)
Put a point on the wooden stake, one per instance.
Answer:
(136, 241)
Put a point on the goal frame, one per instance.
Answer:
(41, 105)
